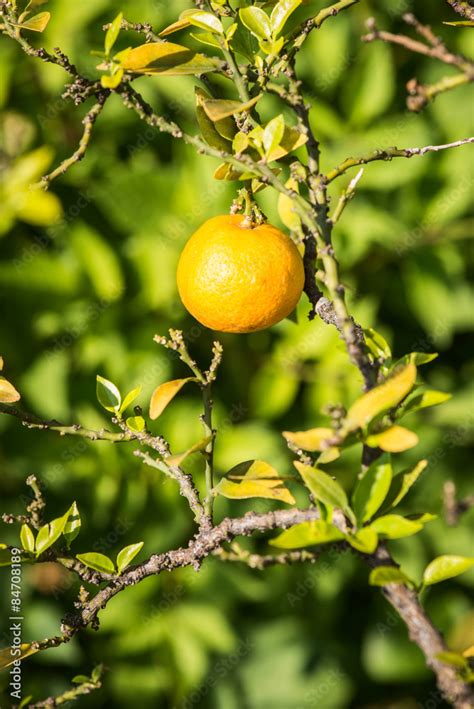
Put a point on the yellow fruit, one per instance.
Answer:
(236, 278)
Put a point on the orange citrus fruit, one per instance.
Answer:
(235, 277)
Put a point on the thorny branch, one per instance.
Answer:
(419, 95)
(463, 8)
(318, 224)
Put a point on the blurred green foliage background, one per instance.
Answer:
(87, 277)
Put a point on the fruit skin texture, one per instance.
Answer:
(235, 278)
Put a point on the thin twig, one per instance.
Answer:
(389, 153)
(419, 95)
(88, 122)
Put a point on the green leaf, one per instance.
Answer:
(273, 134)
(377, 344)
(393, 440)
(424, 400)
(416, 358)
(217, 109)
(215, 133)
(257, 21)
(240, 143)
(37, 23)
(136, 423)
(372, 489)
(324, 488)
(176, 460)
(395, 526)
(73, 524)
(307, 534)
(167, 59)
(271, 47)
(112, 33)
(50, 533)
(315, 439)
(164, 393)
(383, 575)
(80, 679)
(462, 23)
(206, 38)
(98, 562)
(280, 14)
(402, 483)
(126, 555)
(381, 398)
(364, 540)
(180, 24)
(446, 567)
(205, 20)
(7, 659)
(27, 538)
(131, 396)
(257, 479)
(8, 393)
(25, 701)
(107, 394)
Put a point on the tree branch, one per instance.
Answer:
(418, 94)
(464, 9)
(422, 632)
(388, 153)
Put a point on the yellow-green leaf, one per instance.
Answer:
(7, 659)
(180, 24)
(257, 479)
(208, 127)
(98, 562)
(111, 81)
(395, 526)
(37, 23)
(286, 207)
(73, 524)
(364, 540)
(136, 423)
(402, 483)
(127, 554)
(112, 33)
(372, 489)
(130, 397)
(164, 393)
(8, 393)
(257, 21)
(383, 575)
(217, 109)
(446, 567)
(107, 394)
(27, 538)
(273, 135)
(315, 439)
(324, 488)
(393, 440)
(280, 14)
(167, 59)
(307, 534)
(291, 140)
(381, 398)
(424, 400)
(205, 21)
(178, 458)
